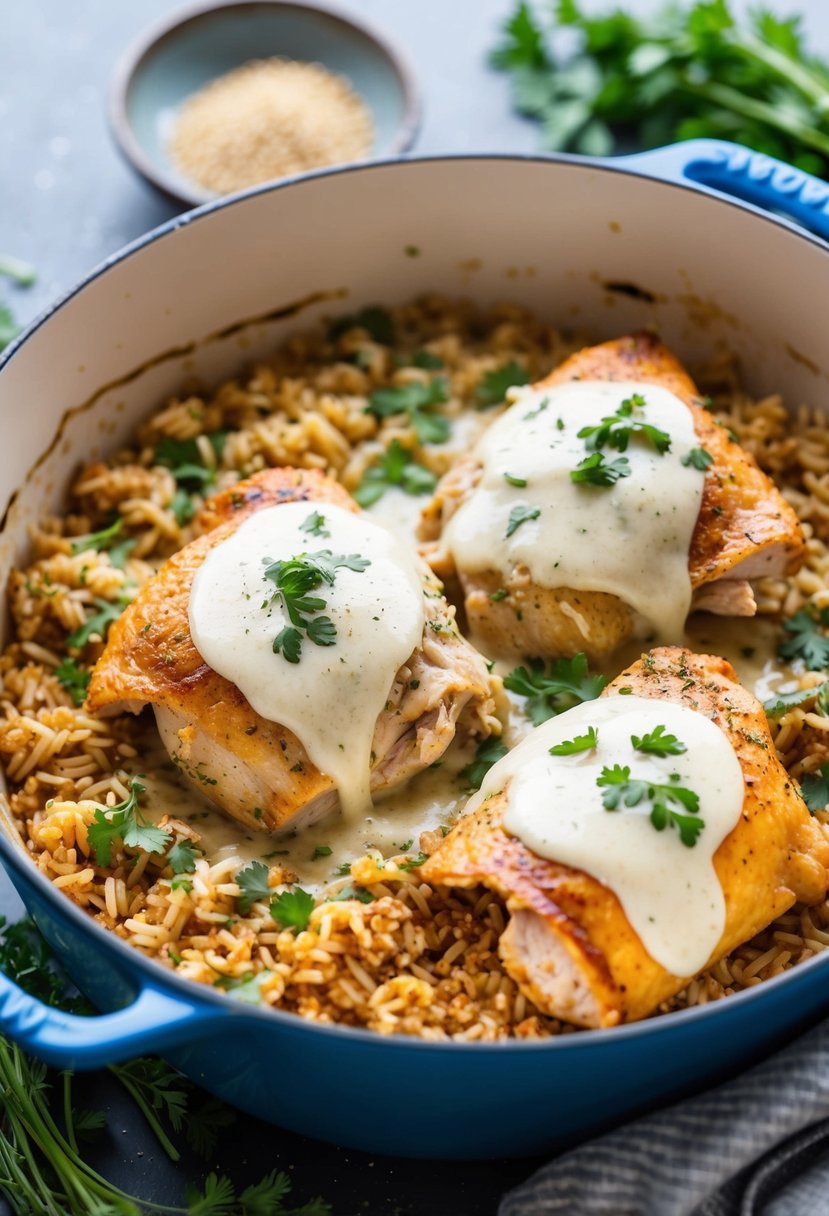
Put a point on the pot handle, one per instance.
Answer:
(751, 176)
(154, 1021)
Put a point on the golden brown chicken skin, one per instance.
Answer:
(745, 529)
(568, 943)
(254, 769)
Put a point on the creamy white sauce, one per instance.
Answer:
(332, 697)
(630, 539)
(670, 892)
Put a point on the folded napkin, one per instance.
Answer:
(757, 1144)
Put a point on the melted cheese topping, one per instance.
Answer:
(630, 539)
(670, 892)
(332, 697)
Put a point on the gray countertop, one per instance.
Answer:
(67, 201)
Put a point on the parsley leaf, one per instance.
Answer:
(565, 684)
(493, 387)
(376, 321)
(293, 579)
(776, 706)
(581, 743)
(698, 458)
(426, 360)
(617, 430)
(349, 891)
(511, 480)
(657, 743)
(807, 641)
(252, 882)
(520, 515)
(125, 822)
(397, 467)
(314, 525)
(183, 457)
(488, 752)
(292, 909)
(594, 470)
(99, 541)
(815, 789)
(618, 789)
(182, 857)
(418, 400)
(98, 623)
(321, 850)
(182, 506)
(74, 679)
(414, 863)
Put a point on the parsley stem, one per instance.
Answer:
(760, 111)
(147, 1111)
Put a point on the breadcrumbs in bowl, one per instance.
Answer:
(380, 948)
(267, 119)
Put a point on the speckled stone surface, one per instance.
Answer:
(67, 201)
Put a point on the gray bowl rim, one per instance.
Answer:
(14, 856)
(146, 42)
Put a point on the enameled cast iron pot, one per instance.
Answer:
(605, 247)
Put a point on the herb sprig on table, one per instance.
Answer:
(23, 275)
(44, 1171)
(685, 71)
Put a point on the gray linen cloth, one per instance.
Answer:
(756, 1144)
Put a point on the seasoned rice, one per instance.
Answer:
(416, 959)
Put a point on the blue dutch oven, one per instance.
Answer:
(722, 249)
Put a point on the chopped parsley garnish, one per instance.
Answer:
(397, 467)
(99, 541)
(618, 789)
(125, 822)
(314, 525)
(616, 430)
(806, 640)
(74, 679)
(182, 506)
(376, 321)
(349, 891)
(182, 857)
(500, 594)
(778, 705)
(414, 863)
(183, 457)
(252, 882)
(418, 400)
(539, 409)
(815, 789)
(520, 515)
(98, 623)
(321, 850)
(657, 743)
(581, 743)
(493, 387)
(426, 360)
(292, 909)
(566, 683)
(594, 470)
(698, 458)
(515, 481)
(294, 579)
(488, 752)
(343, 869)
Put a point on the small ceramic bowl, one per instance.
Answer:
(177, 57)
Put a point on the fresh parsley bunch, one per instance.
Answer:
(684, 72)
